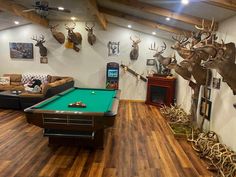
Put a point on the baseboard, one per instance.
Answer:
(136, 101)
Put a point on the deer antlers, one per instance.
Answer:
(156, 49)
(181, 39)
(209, 29)
(135, 41)
(73, 27)
(86, 24)
(39, 40)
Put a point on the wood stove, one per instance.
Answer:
(160, 91)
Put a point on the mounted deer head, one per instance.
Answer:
(135, 49)
(59, 36)
(42, 48)
(181, 46)
(226, 69)
(198, 72)
(91, 36)
(183, 72)
(181, 41)
(74, 37)
(163, 61)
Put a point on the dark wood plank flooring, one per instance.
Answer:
(139, 145)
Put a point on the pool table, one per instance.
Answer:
(76, 125)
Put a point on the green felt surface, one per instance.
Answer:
(101, 101)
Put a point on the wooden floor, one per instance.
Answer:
(139, 145)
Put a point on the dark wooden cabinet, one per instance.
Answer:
(160, 91)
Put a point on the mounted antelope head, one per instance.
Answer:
(42, 48)
(73, 37)
(59, 36)
(135, 49)
(91, 36)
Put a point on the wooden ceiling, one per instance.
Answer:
(148, 13)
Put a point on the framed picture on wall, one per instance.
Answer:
(113, 48)
(21, 50)
(205, 108)
(207, 93)
(150, 62)
(216, 83)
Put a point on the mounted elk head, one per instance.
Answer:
(73, 37)
(135, 49)
(42, 48)
(59, 36)
(91, 36)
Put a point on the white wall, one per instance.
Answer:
(89, 65)
(223, 113)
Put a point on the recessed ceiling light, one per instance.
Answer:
(167, 19)
(72, 18)
(185, 2)
(129, 26)
(154, 33)
(16, 22)
(61, 8)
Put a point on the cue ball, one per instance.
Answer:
(93, 92)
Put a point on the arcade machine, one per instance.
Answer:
(112, 75)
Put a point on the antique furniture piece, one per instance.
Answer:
(160, 91)
(76, 125)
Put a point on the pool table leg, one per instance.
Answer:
(99, 139)
(96, 142)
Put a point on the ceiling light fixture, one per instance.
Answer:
(154, 33)
(185, 2)
(129, 26)
(72, 18)
(16, 22)
(61, 8)
(167, 19)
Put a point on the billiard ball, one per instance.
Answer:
(93, 92)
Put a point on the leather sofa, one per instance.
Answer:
(54, 85)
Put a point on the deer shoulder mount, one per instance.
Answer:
(135, 49)
(225, 67)
(163, 61)
(59, 36)
(74, 38)
(91, 36)
(42, 49)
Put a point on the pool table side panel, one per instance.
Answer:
(98, 123)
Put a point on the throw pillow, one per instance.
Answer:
(4, 80)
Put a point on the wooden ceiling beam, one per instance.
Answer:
(145, 22)
(164, 12)
(17, 9)
(101, 18)
(226, 4)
